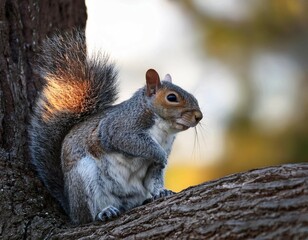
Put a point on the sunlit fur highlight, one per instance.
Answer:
(75, 86)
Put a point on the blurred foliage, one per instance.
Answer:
(271, 24)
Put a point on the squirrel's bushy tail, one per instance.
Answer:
(76, 86)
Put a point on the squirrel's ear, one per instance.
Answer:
(153, 82)
(168, 78)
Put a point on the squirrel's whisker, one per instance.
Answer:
(97, 158)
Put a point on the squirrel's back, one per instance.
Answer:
(76, 86)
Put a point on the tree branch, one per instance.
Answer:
(263, 203)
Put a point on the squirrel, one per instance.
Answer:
(99, 159)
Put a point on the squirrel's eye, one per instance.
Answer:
(172, 97)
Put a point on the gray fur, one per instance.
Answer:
(131, 169)
(63, 60)
(98, 159)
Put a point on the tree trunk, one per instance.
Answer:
(26, 208)
(265, 203)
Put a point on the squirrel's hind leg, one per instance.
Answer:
(162, 193)
(155, 182)
(108, 213)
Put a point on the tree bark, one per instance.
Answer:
(264, 203)
(26, 208)
(269, 203)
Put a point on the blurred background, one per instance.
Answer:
(246, 61)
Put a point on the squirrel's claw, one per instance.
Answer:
(160, 194)
(163, 193)
(108, 213)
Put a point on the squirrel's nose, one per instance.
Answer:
(198, 116)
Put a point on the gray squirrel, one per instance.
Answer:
(99, 159)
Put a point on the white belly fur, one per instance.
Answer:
(128, 174)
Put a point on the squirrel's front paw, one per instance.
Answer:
(161, 162)
(108, 213)
(160, 158)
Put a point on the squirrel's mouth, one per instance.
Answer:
(188, 119)
(182, 124)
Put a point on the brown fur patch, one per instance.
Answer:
(71, 156)
(94, 144)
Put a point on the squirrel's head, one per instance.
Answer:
(171, 102)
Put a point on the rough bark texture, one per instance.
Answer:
(266, 203)
(26, 208)
(270, 203)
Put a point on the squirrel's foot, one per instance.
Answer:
(108, 213)
(161, 193)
